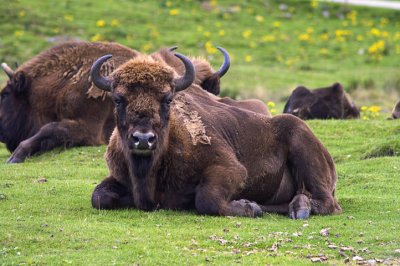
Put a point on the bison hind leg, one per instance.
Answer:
(110, 194)
(246, 208)
(300, 207)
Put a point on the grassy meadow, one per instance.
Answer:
(45, 212)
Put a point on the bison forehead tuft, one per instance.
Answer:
(144, 70)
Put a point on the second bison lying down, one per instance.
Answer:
(49, 101)
(178, 147)
(323, 103)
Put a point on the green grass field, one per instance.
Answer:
(45, 211)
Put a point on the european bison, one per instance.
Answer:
(176, 147)
(323, 103)
(396, 111)
(49, 101)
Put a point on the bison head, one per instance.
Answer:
(14, 108)
(142, 90)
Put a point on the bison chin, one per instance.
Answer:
(142, 153)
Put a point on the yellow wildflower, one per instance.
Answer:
(374, 108)
(364, 108)
(168, 4)
(323, 51)
(324, 36)
(100, 23)
(268, 38)
(310, 30)
(248, 58)
(221, 33)
(174, 12)
(270, 104)
(207, 33)
(314, 3)
(273, 111)
(259, 18)
(377, 47)
(18, 33)
(115, 23)
(69, 17)
(276, 24)
(384, 21)
(210, 49)
(359, 37)
(304, 37)
(146, 47)
(96, 37)
(21, 13)
(376, 32)
(246, 34)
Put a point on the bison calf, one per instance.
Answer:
(323, 103)
(176, 146)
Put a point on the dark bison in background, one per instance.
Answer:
(323, 103)
(178, 147)
(396, 111)
(49, 101)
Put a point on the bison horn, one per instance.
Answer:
(188, 78)
(101, 82)
(8, 70)
(173, 48)
(225, 65)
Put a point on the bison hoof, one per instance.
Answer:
(300, 214)
(14, 159)
(247, 208)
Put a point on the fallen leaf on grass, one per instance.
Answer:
(42, 180)
(324, 232)
(357, 258)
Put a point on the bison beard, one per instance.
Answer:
(250, 163)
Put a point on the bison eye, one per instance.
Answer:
(118, 100)
(4, 95)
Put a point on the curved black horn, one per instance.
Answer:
(188, 78)
(98, 80)
(7, 69)
(225, 65)
(173, 48)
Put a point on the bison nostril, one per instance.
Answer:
(135, 139)
(152, 139)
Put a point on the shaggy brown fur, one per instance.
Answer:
(211, 156)
(323, 103)
(396, 111)
(50, 100)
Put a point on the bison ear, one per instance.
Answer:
(211, 84)
(337, 87)
(21, 83)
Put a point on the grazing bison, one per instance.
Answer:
(396, 111)
(49, 101)
(323, 103)
(176, 146)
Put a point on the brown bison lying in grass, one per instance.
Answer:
(323, 103)
(49, 101)
(178, 147)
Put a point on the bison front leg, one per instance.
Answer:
(54, 134)
(110, 194)
(213, 196)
